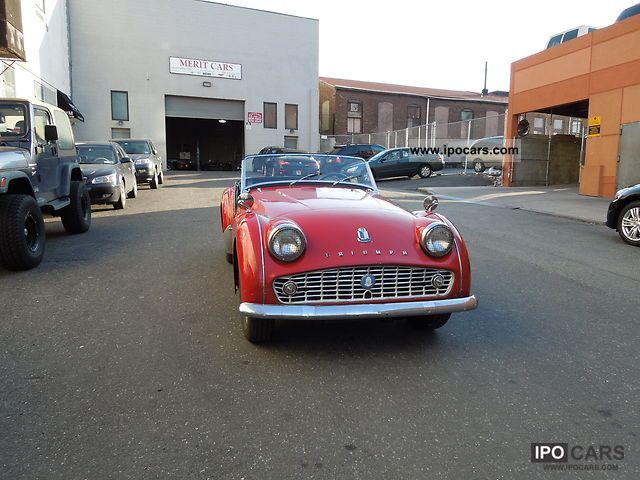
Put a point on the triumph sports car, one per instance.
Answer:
(315, 240)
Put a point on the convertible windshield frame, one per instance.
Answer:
(16, 136)
(249, 181)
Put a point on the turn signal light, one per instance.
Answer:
(3, 182)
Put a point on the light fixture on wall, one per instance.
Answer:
(206, 84)
(222, 121)
(120, 122)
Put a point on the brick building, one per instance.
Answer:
(353, 106)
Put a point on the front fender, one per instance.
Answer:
(249, 252)
(15, 181)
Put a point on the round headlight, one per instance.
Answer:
(286, 242)
(437, 240)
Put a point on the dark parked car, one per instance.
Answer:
(362, 150)
(624, 214)
(629, 12)
(109, 174)
(148, 162)
(290, 166)
(400, 162)
(258, 165)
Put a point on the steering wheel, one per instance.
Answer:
(102, 160)
(338, 175)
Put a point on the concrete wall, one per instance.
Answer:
(602, 67)
(47, 51)
(126, 45)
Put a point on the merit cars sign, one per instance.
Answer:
(205, 68)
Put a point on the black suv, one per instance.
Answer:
(362, 150)
(39, 173)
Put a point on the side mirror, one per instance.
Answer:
(50, 133)
(125, 160)
(245, 200)
(430, 203)
(523, 128)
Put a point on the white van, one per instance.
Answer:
(569, 35)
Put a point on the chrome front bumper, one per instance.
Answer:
(371, 310)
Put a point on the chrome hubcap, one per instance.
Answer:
(631, 224)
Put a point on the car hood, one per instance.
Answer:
(12, 158)
(334, 214)
(90, 170)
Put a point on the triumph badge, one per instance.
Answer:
(363, 235)
(368, 281)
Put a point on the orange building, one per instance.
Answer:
(596, 76)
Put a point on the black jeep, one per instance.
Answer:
(39, 173)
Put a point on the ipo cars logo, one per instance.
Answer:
(577, 457)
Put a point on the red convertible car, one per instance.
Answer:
(316, 240)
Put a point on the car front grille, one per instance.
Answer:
(345, 285)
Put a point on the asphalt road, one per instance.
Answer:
(121, 357)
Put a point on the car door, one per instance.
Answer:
(47, 159)
(392, 166)
(405, 165)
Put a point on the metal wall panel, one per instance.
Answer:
(629, 160)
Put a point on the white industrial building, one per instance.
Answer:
(207, 82)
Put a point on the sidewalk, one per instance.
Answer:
(560, 201)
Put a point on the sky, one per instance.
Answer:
(438, 44)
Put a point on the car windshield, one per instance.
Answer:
(98, 154)
(294, 169)
(135, 147)
(12, 120)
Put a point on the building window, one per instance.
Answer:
(119, 105)
(538, 123)
(291, 116)
(576, 127)
(466, 127)
(466, 115)
(291, 141)
(8, 82)
(413, 116)
(270, 113)
(354, 117)
(558, 125)
(120, 133)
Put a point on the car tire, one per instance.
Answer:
(431, 322)
(257, 330)
(629, 224)
(161, 178)
(425, 171)
(133, 193)
(76, 217)
(122, 201)
(153, 184)
(478, 166)
(22, 233)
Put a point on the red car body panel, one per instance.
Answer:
(329, 217)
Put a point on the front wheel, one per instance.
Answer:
(122, 201)
(22, 236)
(257, 330)
(629, 224)
(425, 171)
(153, 184)
(76, 217)
(431, 322)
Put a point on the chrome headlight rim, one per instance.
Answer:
(424, 237)
(280, 228)
(111, 179)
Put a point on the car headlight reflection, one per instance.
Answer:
(437, 240)
(287, 242)
(110, 179)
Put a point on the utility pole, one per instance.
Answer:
(485, 92)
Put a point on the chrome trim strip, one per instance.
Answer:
(264, 274)
(371, 310)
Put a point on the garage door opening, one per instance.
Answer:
(204, 133)
(204, 144)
